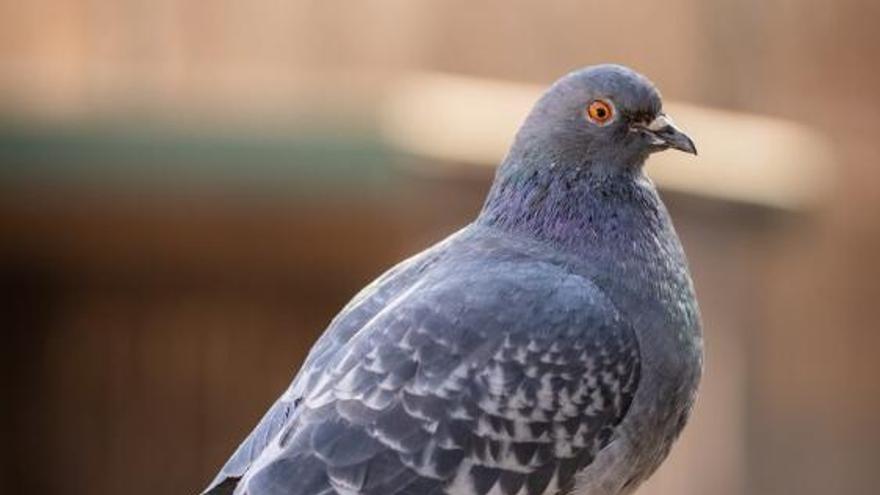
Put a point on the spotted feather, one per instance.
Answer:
(502, 380)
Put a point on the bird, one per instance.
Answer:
(552, 346)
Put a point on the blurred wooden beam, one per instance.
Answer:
(752, 159)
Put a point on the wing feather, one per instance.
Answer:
(505, 378)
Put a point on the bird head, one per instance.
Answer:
(604, 116)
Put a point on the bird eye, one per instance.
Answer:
(600, 112)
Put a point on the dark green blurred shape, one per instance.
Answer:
(126, 155)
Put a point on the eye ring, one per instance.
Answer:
(600, 112)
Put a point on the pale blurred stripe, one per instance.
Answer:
(745, 158)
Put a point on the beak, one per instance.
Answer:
(667, 135)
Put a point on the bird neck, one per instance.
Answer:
(581, 208)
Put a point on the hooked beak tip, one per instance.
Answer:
(669, 136)
(687, 145)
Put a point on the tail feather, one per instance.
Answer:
(226, 487)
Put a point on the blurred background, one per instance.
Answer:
(190, 190)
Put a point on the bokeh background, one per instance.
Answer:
(189, 191)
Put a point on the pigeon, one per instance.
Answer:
(551, 346)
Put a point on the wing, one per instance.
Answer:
(363, 306)
(503, 378)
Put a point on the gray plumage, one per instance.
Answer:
(552, 346)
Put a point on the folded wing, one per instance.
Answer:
(504, 378)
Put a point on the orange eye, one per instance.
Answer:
(600, 111)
